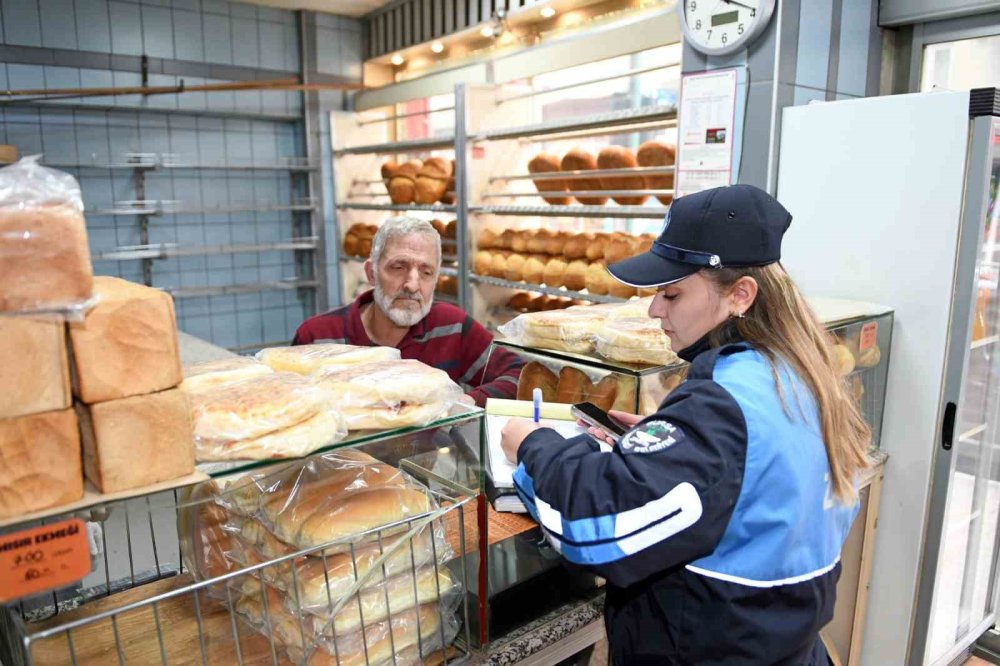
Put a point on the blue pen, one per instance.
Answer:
(536, 399)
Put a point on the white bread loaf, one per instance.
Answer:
(44, 257)
(40, 465)
(634, 341)
(566, 330)
(301, 439)
(402, 415)
(136, 441)
(127, 345)
(306, 359)
(34, 367)
(388, 383)
(211, 374)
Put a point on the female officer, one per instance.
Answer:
(718, 520)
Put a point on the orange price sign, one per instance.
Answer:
(869, 335)
(43, 558)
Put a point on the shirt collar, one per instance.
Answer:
(725, 333)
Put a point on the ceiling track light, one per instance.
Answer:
(397, 60)
(496, 26)
(437, 47)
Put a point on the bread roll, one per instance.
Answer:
(41, 462)
(657, 153)
(309, 359)
(554, 273)
(538, 240)
(580, 160)
(393, 384)
(498, 265)
(481, 262)
(843, 359)
(554, 303)
(869, 358)
(619, 157)
(388, 169)
(213, 374)
(539, 303)
(519, 241)
(448, 285)
(625, 401)
(403, 184)
(618, 248)
(34, 367)
(567, 330)
(44, 257)
(515, 263)
(451, 229)
(365, 248)
(554, 245)
(432, 180)
(439, 227)
(594, 280)
(576, 246)
(617, 289)
(506, 239)
(575, 277)
(488, 238)
(547, 163)
(574, 386)
(604, 392)
(533, 270)
(595, 246)
(519, 300)
(154, 429)
(301, 439)
(351, 241)
(127, 345)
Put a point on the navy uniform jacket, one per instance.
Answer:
(712, 520)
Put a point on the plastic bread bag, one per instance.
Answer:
(635, 341)
(390, 394)
(44, 253)
(213, 374)
(637, 308)
(570, 330)
(277, 415)
(307, 359)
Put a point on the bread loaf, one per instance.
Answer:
(843, 359)
(391, 383)
(519, 241)
(41, 462)
(308, 359)
(619, 157)
(576, 246)
(506, 239)
(403, 184)
(548, 163)
(488, 239)
(555, 244)
(869, 358)
(635, 341)
(482, 262)
(595, 246)
(580, 160)
(448, 285)
(618, 248)
(439, 227)
(154, 429)
(604, 392)
(451, 229)
(535, 375)
(594, 280)
(127, 345)
(498, 265)
(300, 439)
(533, 270)
(515, 264)
(211, 374)
(554, 273)
(44, 257)
(538, 240)
(388, 169)
(575, 277)
(569, 330)
(432, 180)
(519, 301)
(618, 289)
(625, 401)
(34, 367)
(655, 154)
(574, 386)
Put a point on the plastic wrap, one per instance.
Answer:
(275, 415)
(634, 341)
(307, 359)
(44, 253)
(569, 330)
(216, 374)
(390, 394)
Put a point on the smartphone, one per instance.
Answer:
(597, 417)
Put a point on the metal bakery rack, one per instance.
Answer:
(147, 599)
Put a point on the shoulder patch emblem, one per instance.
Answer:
(651, 437)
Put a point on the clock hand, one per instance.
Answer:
(736, 2)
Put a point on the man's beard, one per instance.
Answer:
(402, 316)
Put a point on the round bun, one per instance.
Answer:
(439, 226)
(538, 240)
(515, 263)
(580, 160)
(481, 262)
(519, 301)
(547, 163)
(488, 238)
(403, 184)
(554, 272)
(595, 245)
(843, 359)
(519, 241)
(576, 247)
(451, 229)
(364, 247)
(533, 270)
(617, 289)
(575, 277)
(619, 157)
(595, 278)
(498, 265)
(505, 239)
(619, 247)
(554, 246)
(657, 153)
(388, 168)
(539, 303)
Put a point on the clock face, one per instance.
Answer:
(717, 27)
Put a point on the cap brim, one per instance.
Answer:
(648, 270)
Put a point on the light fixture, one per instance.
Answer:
(437, 47)
(547, 12)
(486, 30)
(496, 25)
(397, 60)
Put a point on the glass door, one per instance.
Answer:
(960, 565)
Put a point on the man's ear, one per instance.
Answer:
(370, 272)
(742, 294)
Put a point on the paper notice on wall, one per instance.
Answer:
(705, 134)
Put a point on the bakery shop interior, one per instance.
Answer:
(548, 332)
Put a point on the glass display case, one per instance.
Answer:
(266, 562)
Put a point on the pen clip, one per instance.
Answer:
(536, 399)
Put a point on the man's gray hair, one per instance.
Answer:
(397, 227)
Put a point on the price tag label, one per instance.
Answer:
(869, 335)
(43, 558)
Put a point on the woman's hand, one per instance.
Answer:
(624, 417)
(513, 434)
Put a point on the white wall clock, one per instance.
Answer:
(719, 27)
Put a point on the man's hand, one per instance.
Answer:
(513, 434)
(624, 417)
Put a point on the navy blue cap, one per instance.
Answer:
(725, 227)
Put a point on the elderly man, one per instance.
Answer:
(400, 312)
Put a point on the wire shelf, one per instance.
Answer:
(584, 194)
(236, 289)
(159, 208)
(551, 291)
(595, 122)
(413, 146)
(578, 175)
(626, 212)
(169, 250)
(402, 208)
